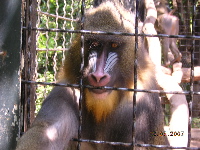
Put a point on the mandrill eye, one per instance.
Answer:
(95, 45)
(114, 45)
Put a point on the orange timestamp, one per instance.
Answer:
(170, 133)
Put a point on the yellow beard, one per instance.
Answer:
(101, 105)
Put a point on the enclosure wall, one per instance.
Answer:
(10, 43)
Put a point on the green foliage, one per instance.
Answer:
(196, 122)
(43, 90)
(167, 114)
(69, 10)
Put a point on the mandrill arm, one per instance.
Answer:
(55, 124)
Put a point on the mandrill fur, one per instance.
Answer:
(107, 115)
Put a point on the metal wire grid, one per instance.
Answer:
(55, 30)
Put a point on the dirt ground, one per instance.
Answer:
(195, 141)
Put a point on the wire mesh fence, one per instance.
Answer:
(48, 30)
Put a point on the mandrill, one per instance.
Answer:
(107, 115)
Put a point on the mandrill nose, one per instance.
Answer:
(98, 79)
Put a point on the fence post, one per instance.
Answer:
(10, 45)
